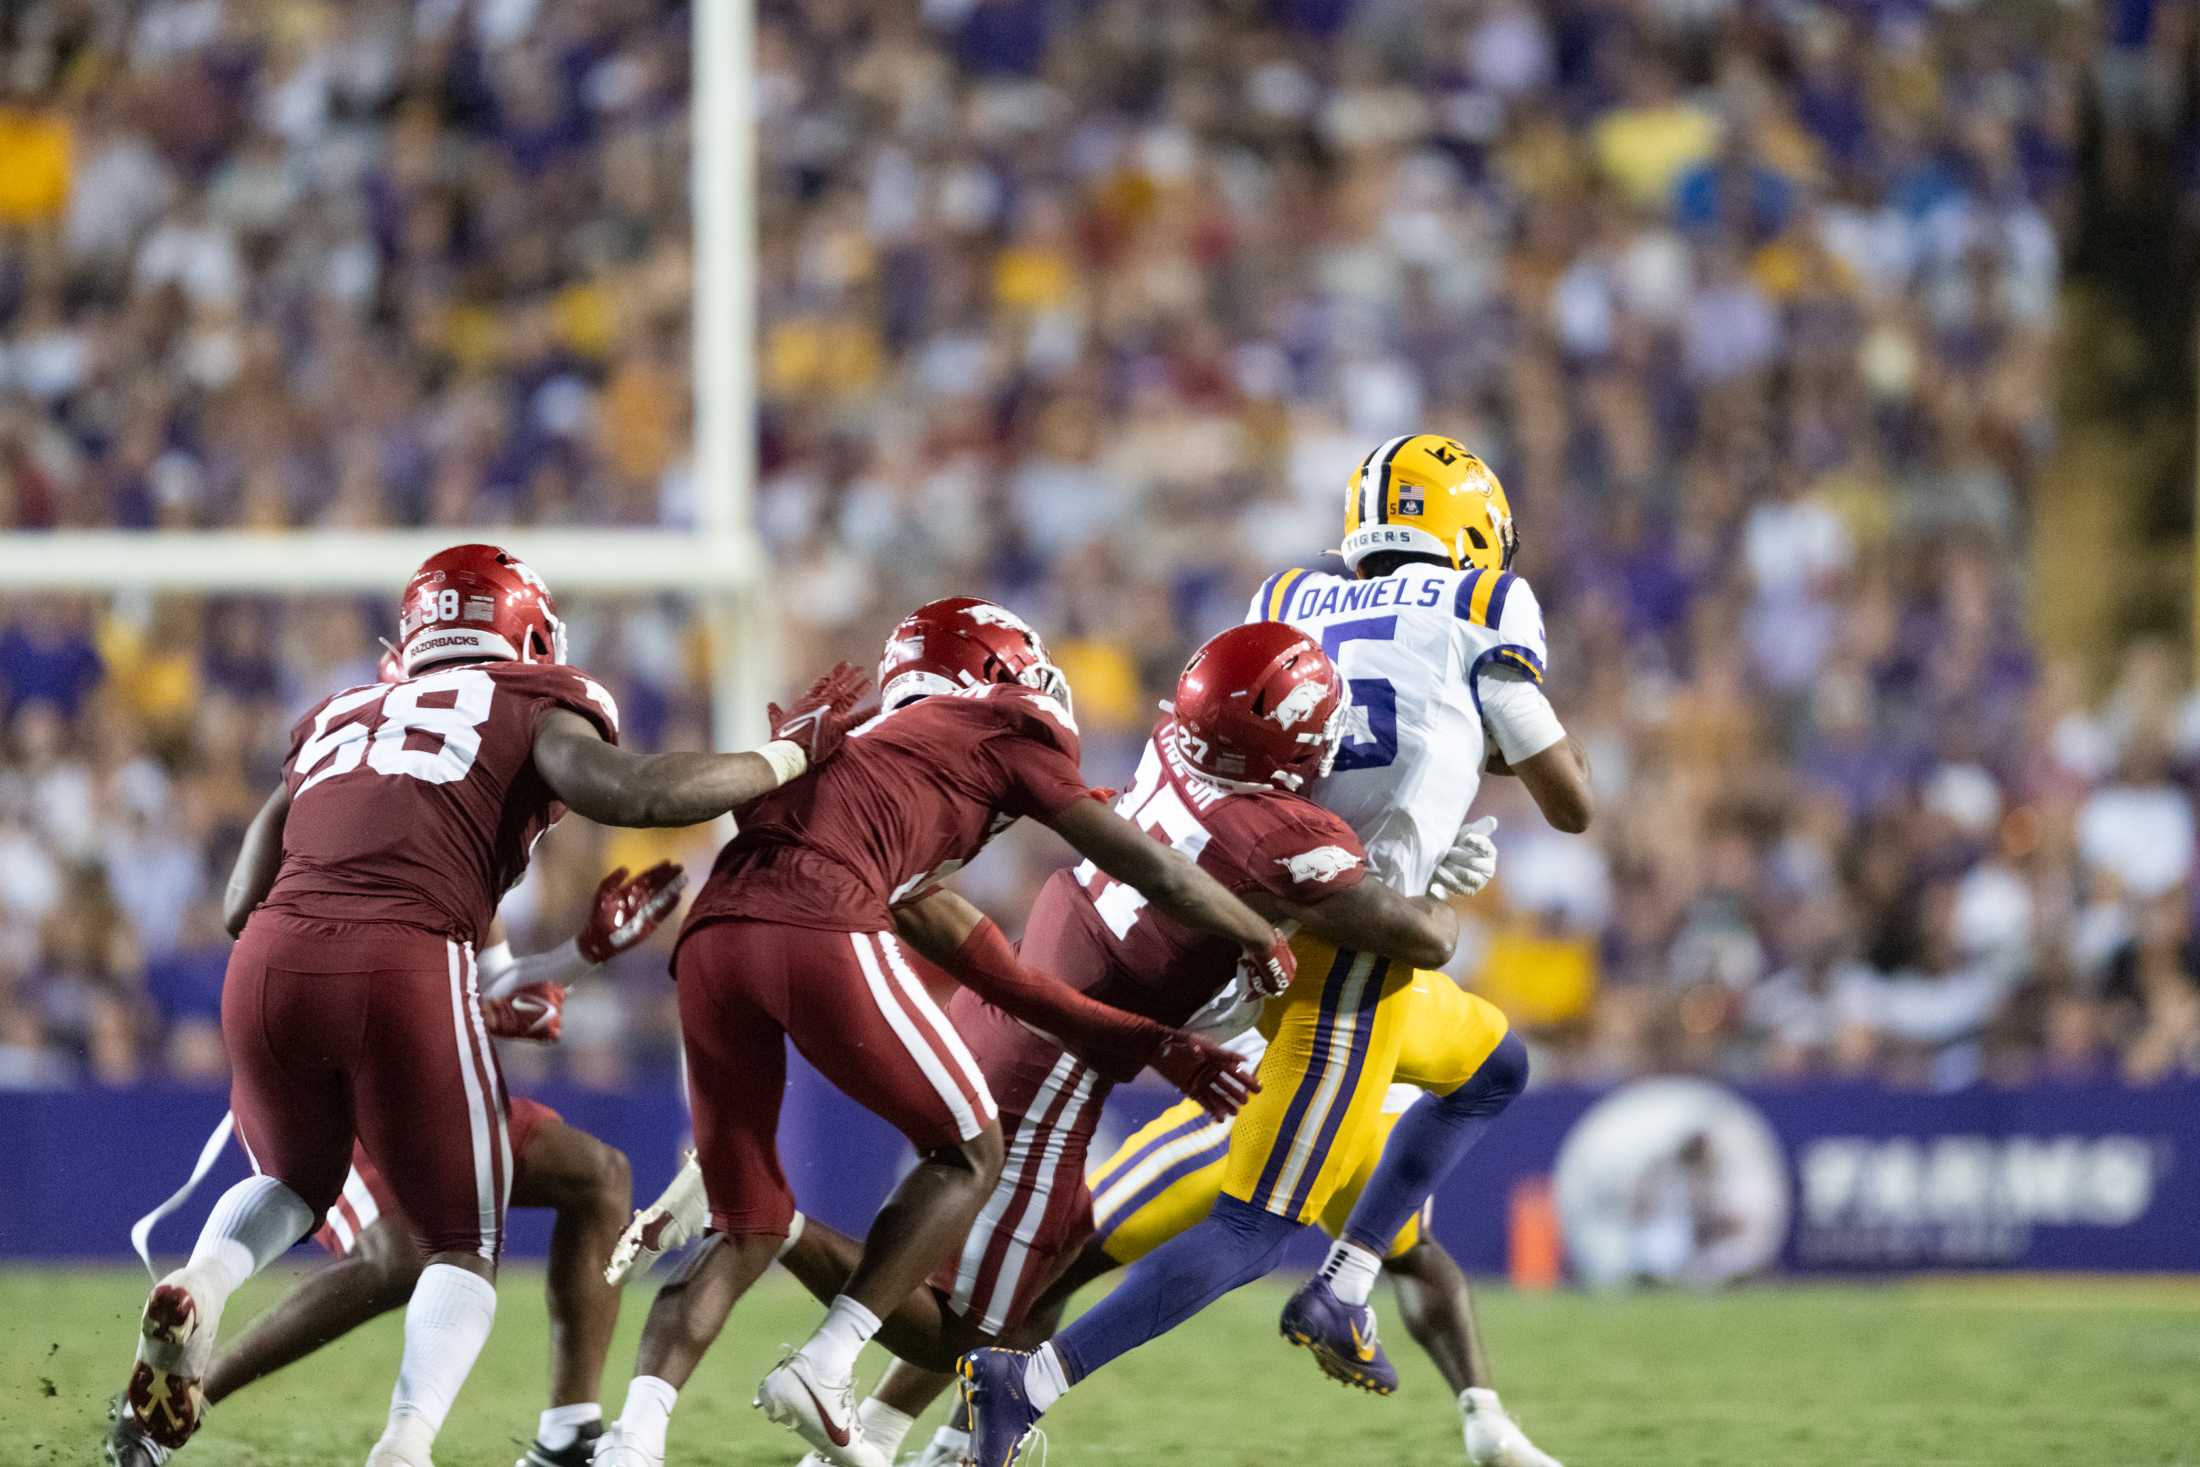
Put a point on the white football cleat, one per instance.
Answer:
(1494, 1439)
(947, 1448)
(127, 1445)
(614, 1450)
(679, 1214)
(821, 1412)
(165, 1400)
(387, 1453)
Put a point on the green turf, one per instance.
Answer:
(2060, 1371)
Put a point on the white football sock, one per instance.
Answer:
(1351, 1271)
(951, 1441)
(848, 1327)
(561, 1425)
(647, 1414)
(446, 1324)
(1479, 1399)
(1044, 1379)
(794, 1236)
(253, 1224)
(883, 1426)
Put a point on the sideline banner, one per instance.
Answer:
(1673, 1180)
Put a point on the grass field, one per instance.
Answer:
(2062, 1371)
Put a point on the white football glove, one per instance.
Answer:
(1469, 864)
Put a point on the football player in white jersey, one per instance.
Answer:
(1443, 649)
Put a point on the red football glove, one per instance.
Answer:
(820, 719)
(626, 911)
(1219, 1080)
(1269, 973)
(534, 1011)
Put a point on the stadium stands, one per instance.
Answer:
(1753, 308)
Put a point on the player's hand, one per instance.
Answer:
(627, 910)
(534, 1011)
(820, 719)
(1218, 1079)
(1469, 864)
(1269, 972)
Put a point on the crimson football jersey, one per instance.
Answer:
(911, 796)
(419, 802)
(1102, 937)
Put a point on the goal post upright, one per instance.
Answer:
(743, 634)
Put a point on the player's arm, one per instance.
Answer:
(970, 946)
(606, 783)
(258, 861)
(523, 995)
(624, 912)
(1369, 917)
(948, 929)
(1533, 745)
(1175, 885)
(1558, 781)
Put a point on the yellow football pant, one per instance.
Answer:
(1351, 1025)
(1167, 1175)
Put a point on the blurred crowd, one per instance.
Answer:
(1092, 306)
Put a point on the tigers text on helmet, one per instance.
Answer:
(1425, 494)
(1260, 705)
(964, 642)
(476, 603)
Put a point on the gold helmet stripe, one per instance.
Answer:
(1375, 481)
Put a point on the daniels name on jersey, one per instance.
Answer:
(1414, 648)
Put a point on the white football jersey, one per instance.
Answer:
(1412, 648)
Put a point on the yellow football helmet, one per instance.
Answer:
(1424, 494)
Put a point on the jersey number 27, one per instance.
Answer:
(1153, 805)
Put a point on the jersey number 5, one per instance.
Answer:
(392, 715)
(1153, 805)
(1377, 697)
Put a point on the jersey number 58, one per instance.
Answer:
(390, 716)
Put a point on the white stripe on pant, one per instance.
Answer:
(484, 1116)
(894, 1000)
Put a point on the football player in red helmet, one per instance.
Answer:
(962, 642)
(557, 1166)
(799, 934)
(352, 1006)
(1257, 714)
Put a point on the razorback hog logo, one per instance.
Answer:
(1322, 864)
(1299, 704)
(986, 614)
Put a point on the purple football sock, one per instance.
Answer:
(1429, 1141)
(1233, 1245)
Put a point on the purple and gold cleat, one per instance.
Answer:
(1001, 1414)
(1341, 1337)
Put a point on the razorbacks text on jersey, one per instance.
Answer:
(1413, 647)
(418, 801)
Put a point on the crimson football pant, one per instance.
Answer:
(1039, 1214)
(374, 1030)
(368, 1196)
(855, 1005)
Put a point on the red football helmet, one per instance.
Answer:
(1260, 705)
(964, 642)
(477, 602)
